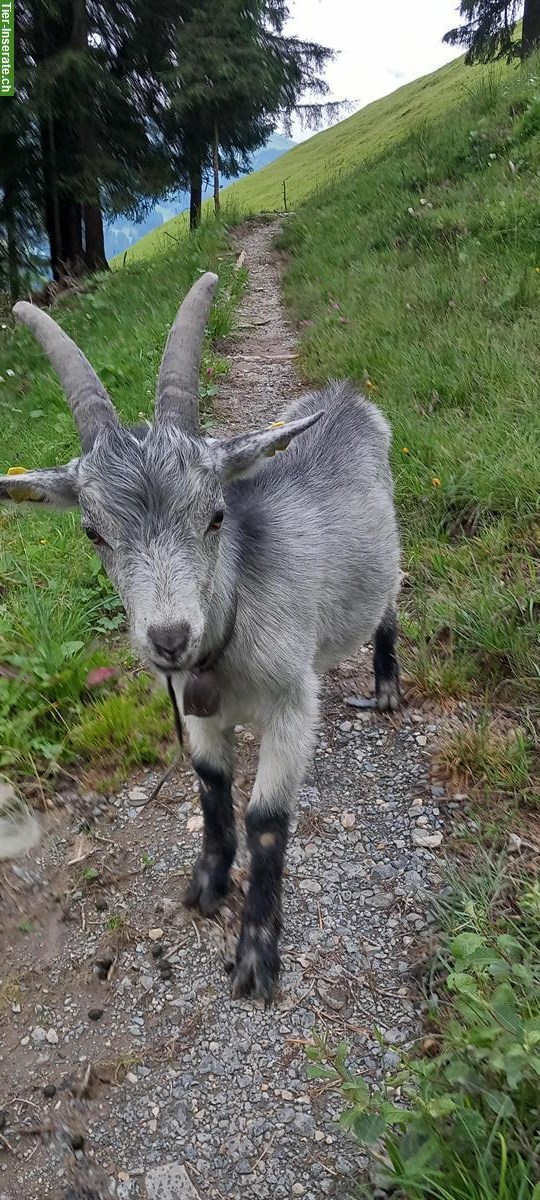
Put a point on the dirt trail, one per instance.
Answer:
(115, 999)
(262, 378)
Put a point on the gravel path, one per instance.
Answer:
(115, 998)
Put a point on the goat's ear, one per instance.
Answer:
(239, 455)
(55, 487)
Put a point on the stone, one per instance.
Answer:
(155, 935)
(39, 1035)
(52, 1037)
(137, 793)
(311, 886)
(170, 1182)
(348, 820)
(425, 840)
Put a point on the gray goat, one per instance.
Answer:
(244, 579)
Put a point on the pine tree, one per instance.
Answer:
(89, 95)
(489, 29)
(237, 76)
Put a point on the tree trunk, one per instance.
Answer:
(530, 35)
(12, 260)
(215, 167)
(72, 260)
(195, 196)
(52, 209)
(94, 252)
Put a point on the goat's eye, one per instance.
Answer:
(94, 536)
(217, 520)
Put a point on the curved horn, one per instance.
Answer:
(87, 398)
(177, 396)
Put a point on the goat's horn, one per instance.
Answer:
(87, 398)
(177, 396)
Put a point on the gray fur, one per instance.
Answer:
(307, 557)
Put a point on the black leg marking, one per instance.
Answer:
(210, 880)
(385, 663)
(255, 971)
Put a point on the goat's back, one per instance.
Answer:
(319, 542)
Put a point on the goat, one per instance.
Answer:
(245, 576)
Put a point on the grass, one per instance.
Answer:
(462, 1123)
(420, 276)
(331, 155)
(59, 616)
(494, 759)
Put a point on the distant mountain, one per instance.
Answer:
(121, 233)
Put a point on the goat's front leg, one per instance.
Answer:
(212, 752)
(286, 748)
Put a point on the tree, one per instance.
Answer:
(90, 92)
(489, 29)
(237, 76)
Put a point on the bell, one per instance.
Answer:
(201, 694)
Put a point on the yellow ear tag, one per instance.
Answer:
(278, 448)
(21, 494)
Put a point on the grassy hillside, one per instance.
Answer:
(420, 274)
(59, 617)
(334, 153)
(417, 270)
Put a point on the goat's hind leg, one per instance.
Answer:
(386, 664)
(212, 751)
(286, 748)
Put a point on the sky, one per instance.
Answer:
(381, 44)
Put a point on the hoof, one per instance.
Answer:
(255, 972)
(388, 695)
(207, 889)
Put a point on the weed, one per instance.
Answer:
(418, 276)
(501, 760)
(115, 922)
(59, 616)
(463, 1123)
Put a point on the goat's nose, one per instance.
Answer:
(169, 640)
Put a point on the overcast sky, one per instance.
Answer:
(381, 44)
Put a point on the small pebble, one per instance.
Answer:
(95, 1014)
(49, 1091)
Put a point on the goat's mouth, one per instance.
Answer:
(173, 668)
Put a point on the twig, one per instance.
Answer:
(35, 1130)
(85, 1081)
(265, 1150)
(197, 935)
(8, 1144)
